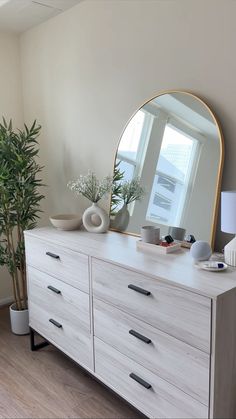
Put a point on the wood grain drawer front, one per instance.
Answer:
(74, 341)
(160, 400)
(64, 302)
(175, 361)
(65, 264)
(178, 312)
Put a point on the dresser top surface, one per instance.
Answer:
(177, 268)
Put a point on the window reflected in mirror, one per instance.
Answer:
(173, 177)
(173, 144)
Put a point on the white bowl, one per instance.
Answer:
(66, 221)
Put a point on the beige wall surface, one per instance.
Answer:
(87, 70)
(10, 107)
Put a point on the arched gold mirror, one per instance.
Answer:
(174, 146)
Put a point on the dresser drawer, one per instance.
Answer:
(175, 361)
(161, 400)
(63, 318)
(74, 342)
(71, 267)
(63, 301)
(178, 312)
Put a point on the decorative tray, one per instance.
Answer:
(157, 248)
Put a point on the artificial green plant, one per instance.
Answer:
(118, 176)
(19, 200)
(131, 191)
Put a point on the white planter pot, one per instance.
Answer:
(121, 219)
(19, 320)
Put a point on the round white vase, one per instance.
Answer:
(19, 320)
(91, 218)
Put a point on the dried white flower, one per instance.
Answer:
(131, 191)
(91, 187)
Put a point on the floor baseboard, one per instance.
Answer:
(6, 301)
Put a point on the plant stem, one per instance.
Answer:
(22, 269)
(19, 303)
(12, 274)
(24, 287)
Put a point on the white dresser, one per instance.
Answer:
(155, 329)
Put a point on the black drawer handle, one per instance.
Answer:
(50, 287)
(139, 336)
(138, 289)
(52, 255)
(140, 381)
(55, 323)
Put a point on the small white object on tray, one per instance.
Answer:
(213, 266)
(157, 248)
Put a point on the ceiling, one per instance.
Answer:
(19, 15)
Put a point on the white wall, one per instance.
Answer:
(87, 70)
(10, 107)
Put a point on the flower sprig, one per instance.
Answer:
(91, 187)
(131, 191)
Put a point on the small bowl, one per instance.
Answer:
(66, 221)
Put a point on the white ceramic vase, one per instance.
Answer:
(96, 219)
(230, 252)
(121, 219)
(19, 320)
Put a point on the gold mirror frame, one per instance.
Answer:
(221, 162)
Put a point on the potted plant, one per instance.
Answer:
(129, 191)
(95, 219)
(19, 208)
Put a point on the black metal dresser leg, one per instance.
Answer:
(36, 346)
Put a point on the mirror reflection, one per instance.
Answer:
(173, 145)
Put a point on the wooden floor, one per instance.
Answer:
(46, 384)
